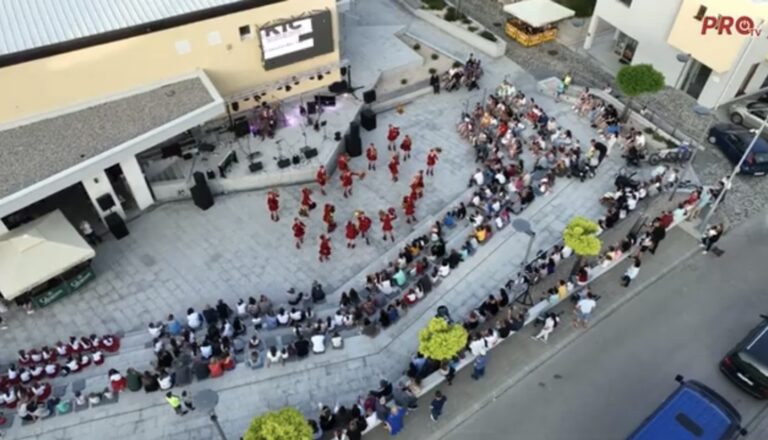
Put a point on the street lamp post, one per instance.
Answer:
(699, 110)
(206, 401)
(686, 59)
(735, 171)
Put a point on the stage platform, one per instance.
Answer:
(171, 177)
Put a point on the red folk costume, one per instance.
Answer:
(406, 147)
(321, 177)
(393, 165)
(346, 182)
(324, 248)
(328, 212)
(409, 208)
(392, 134)
(417, 186)
(299, 229)
(306, 204)
(431, 162)
(371, 154)
(273, 205)
(363, 226)
(342, 163)
(386, 225)
(350, 233)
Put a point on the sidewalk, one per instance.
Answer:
(515, 358)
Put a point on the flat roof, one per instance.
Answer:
(538, 13)
(30, 24)
(38, 150)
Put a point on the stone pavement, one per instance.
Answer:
(179, 256)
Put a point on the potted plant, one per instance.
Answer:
(284, 424)
(441, 341)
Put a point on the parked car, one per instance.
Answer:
(693, 411)
(750, 114)
(747, 364)
(733, 141)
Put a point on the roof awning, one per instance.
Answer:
(38, 251)
(538, 13)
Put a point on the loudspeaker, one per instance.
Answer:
(338, 87)
(283, 162)
(116, 225)
(210, 174)
(206, 148)
(255, 166)
(368, 119)
(369, 96)
(309, 152)
(170, 151)
(325, 101)
(202, 196)
(353, 145)
(311, 108)
(242, 128)
(235, 106)
(106, 202)
(337, 136)
(296, 159)
(354, 129)
(199, 178)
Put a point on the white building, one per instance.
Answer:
(712, 68)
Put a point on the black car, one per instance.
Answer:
(733, 141)
(747, 364)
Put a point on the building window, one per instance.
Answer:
(245, 33)
(627, 2)
(701, 13)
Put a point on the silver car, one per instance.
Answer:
(749, 114)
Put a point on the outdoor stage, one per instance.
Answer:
(227, 158)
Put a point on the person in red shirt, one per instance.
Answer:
(392, 134)
(306, 204)
(371, 154)
(665, 219)
(432, 157)
(321, 177)
(386, 225)
(351, 234)
(342, 163)
(324, 248)
(393, 165)
(299, 229)
(417, 185)
(409, 208)
(363, 225)
(406, 145)
(273, 204)
(347, 177)
(328, 211)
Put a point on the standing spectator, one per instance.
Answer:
(550, 323)
(631, 272)
(479, 366)
(584, 309)
(658, 233)
(434, 81)
(436, 407)
(394, 422)
(175, 403)
(186, 399)
(448, 371)
(711, 237)
(87, 230)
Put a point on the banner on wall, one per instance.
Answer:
(290, 41)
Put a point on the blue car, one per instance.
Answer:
(733, 141)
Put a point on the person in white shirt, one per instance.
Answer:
(631, 202)
(227, 330)
(550, 323)
(194, 319)
(491, 338)
(206, 350)
(336, 341)
(155, 329)
(478, 346)
(25, 376)
(584, 309)
(445, 269)
(338, 318)
(478, 178)
(274, 356)
(631, 273)
(283, 317)
(165, 381)
(296, 315)
(318, 343)
(242, 308)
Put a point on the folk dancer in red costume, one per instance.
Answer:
(393, 165)
(273, 205)
(347, 177)
(306, 204)
(417, 185)
(371, 154)
(328, 211)
(386, 225)
(409, 209)
(363, 225)
(406, 145)
(392, 134)
(350, 233)
(432, 158)
(342, 163)
(324, 248)
(321, 177)
(299, 229)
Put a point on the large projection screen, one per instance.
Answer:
(286, 42)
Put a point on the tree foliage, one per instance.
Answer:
(639, 79)
(579, 235)
(285, 424)
(441, 341)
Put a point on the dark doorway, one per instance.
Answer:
(696, 78)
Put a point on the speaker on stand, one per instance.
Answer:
(201, 193)
(368, 119)
(116, 225)
(369, 96)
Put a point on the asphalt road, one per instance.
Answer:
(606, 382)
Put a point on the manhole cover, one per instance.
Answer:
(147, 260)
(552, 52)
(497, 24)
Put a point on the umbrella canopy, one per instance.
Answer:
(38, 251)
(538, 13)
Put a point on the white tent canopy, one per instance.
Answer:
(538, 13)
(38, 251)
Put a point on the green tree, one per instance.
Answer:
(580, 235)
(284, 424)
(441, 341)
(637, 80)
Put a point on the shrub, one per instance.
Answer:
(488, 36)
(285, 424)
(465, 19)
(435, 56)
(436, 5)
(404, 81)
(432, 71)
(456, 64)
(416, 46)
(472, 28)
(451, 14)
(441, 341)
(579, 235)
